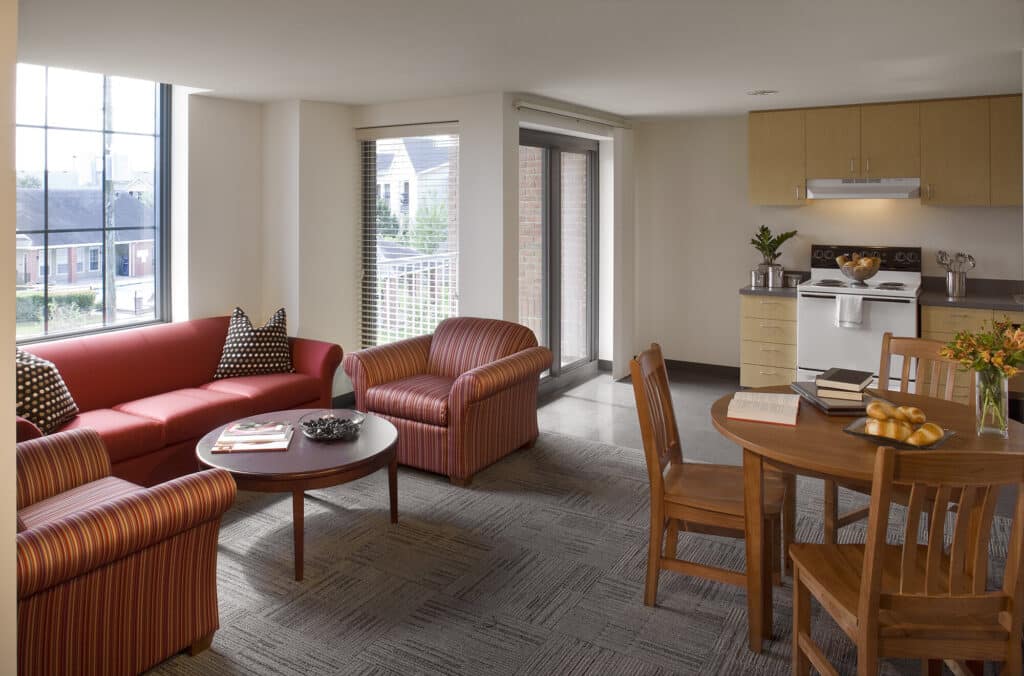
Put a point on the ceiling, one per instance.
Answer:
(639, 58)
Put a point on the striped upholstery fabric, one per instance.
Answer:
(53, 464)
(463, 343)
(492, 406)
(120, 584)
(423, 398)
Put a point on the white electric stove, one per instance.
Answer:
(889, 303)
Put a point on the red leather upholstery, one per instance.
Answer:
(462, 398)
(148, 391)
(124, 435)
(422, 398)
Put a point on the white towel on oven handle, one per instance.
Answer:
(849, 310)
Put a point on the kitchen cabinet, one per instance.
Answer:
(776, 157)
(955, 152)
(767, 341)
(833, 142)
(1005, 149)
(890, 140)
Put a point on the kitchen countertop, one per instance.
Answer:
(783, 292)
(983, 294)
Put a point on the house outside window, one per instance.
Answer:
(91, 167)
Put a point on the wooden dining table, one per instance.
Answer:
(818, 447)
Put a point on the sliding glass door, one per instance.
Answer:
(557, 245)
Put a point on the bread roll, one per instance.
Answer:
(879, 410)
(890, 429)
(911, 414)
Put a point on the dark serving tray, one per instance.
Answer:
(856, 428)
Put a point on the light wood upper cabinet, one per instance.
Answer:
(1005, 115)
(890, 140)
(776, 169)
(955, 157)
(833, 142)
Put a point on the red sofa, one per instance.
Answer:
(150, 392)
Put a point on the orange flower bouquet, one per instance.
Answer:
(994, 355)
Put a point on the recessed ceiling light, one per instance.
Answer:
(762, 92)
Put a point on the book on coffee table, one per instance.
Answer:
(828, 406)
(270, 437)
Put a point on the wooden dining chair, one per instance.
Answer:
(913, 600)
(694, 497)
(933, 376)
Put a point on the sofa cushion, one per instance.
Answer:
(42, 397)
(464, 343)
(125, 436)
(251, 351)
(75, 500)
(275, 391)
(189, 413)
(423, 398)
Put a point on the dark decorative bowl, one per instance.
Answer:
(332, 425)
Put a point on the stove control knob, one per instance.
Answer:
(913, 257)
(900, 256)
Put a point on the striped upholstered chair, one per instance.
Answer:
(112, 577)
(462, 398)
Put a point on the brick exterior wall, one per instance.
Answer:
(574, 257)
(531, 240)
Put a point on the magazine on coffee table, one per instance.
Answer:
(264, 437)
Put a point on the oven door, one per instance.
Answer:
(822, 345)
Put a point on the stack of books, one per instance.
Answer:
(844, 384)
(254, 436)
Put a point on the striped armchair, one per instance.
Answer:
(112, 577)
(462, 398)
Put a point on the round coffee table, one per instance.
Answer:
(308, 465)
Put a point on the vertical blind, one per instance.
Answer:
(410, 235)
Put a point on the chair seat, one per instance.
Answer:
(75, 500)
(717, 488)
(833, 574)
(423, 398)
(126, 436)
(270, 392)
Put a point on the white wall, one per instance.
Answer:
(8, 579)
(694, 224)
(280, 192)
(225, 205)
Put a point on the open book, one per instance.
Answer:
(778, 409)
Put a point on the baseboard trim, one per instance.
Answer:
(604, 365)
(696, 367)
(347, 400)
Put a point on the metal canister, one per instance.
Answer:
(956, 284)
(758, 278)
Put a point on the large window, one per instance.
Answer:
(410, 237)
(91, 161)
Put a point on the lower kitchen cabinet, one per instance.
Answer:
(768, 341)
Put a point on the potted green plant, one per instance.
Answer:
(768, 246)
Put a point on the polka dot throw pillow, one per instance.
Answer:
(249, 351)
(42, 397)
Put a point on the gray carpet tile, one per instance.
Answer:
(538, 568)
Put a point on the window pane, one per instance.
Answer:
(132, 105)
(532, 206)
(133, 263)
(29, 163)
(30, 97)
(74, 99)
(575, 213)
(75, 299)
(29, 264)
(75, 174)
(130, 161)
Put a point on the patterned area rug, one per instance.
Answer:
(538, 568)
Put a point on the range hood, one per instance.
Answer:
(863, 188)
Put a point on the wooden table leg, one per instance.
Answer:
(759, 588)
(298, 528)
(393, 488)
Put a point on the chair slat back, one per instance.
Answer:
(933, 375)
(657, 418)
(934, 577)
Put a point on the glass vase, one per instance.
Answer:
(992, 406)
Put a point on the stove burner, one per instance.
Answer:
(892, 286)
(830, 282)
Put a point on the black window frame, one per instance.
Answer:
(162, 238)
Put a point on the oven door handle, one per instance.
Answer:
(867, 299)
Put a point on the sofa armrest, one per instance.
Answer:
(489, 379)
(384, 363)
(78, 543)
(26, 429)
(53, 464)
(319, 359)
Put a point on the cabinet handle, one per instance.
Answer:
(766, 373)
(797, 189)
(851, 165)
(769, 349)
(931, 192)
(867, 165)
(769, 302)
(769, 326)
